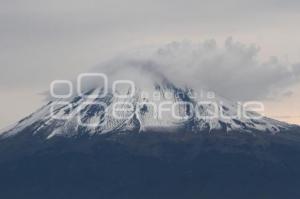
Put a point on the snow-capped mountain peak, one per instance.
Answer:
(145, 101)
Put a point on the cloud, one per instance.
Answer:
(62, 38)
(232, 70)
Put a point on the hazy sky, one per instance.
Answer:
(45, 40)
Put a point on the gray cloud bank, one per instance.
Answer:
(232, 70)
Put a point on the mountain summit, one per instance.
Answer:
(138, 98)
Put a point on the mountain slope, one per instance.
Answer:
(76, 148)
(151, 165)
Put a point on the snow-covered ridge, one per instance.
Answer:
(139, 112)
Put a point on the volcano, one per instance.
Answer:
(164, 141)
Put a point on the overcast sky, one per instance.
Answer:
(45, 40)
